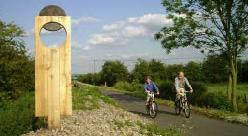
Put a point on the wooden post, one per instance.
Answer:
(53, 74)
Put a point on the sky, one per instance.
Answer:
(102, 30)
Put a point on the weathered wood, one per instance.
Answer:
(53, 74)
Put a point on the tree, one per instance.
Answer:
(16, 67)
(215, 26)
(193, 71)
(215, 69)
(113, 71)
(157, 69)
(141, 69)
(173, 70)
(153, 68)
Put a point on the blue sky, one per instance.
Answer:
(102, 30)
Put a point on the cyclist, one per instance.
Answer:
(180, 82)
(150, 86)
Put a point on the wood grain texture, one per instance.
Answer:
(53, 73)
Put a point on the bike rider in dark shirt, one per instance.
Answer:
(149, 87)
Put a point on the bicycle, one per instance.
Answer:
(183, 104)
(152, 107)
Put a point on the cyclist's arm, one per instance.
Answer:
(156, 88)
(188, 84)
(145, 88)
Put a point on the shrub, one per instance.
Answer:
(167, 90)
(218, 100)
(243, 107)
(16, 66)
(198, 97)
(17, 117)
(122, 85)
(90, 78)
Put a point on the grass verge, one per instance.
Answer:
(149, 129)
(88, 98)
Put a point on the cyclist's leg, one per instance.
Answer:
(177, 99)
(147, 99)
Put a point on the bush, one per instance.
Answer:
(132, 87)
(90, 78)
(122, 85)
(16, 67)
(218, 100)
(17, 117)
(198, 97)
(167, 90)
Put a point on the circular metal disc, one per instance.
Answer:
(52, 10)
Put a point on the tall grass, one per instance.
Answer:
(17, 116)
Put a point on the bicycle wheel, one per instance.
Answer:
(177, 107)
(153, 109)
(186, 109)
(147, 109)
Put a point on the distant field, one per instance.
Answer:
(241, 88)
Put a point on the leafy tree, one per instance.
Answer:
(173, 70)
(215, 69)
(141, 69)
(193, 71)
(157, 69)
(113, 71)
(16, 67)
(153, 68)
(216, 26)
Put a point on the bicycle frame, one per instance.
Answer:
(183, 104)
(151, 96)
(152, 106)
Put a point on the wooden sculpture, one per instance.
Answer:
(53, 97)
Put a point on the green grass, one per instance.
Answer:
(17, 116)
(241, 88)
(88, 98)
(148, 129)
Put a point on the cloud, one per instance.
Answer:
(114, 26)
(77, 46)
(87, 47)
(83, 20)
(134, 31)
(121, 32)
(102, 39)
(151, 19)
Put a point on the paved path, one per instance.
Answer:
(196, 125)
